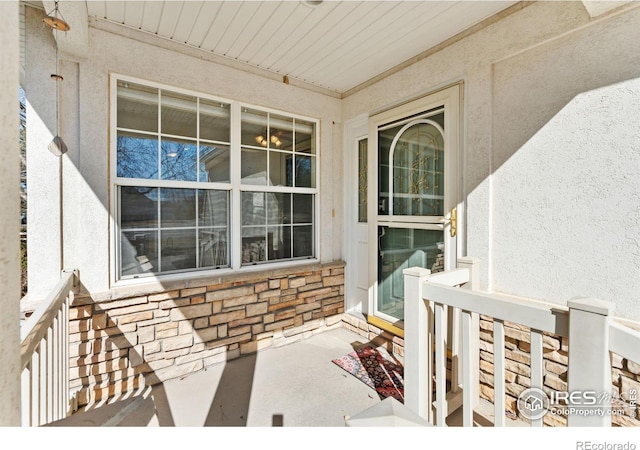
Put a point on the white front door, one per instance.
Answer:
(357, 232)
(412, 197)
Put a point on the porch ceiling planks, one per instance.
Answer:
(337, 45)
(187, 20)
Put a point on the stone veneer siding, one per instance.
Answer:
(118, 347)
(121, 346)
(625, 373)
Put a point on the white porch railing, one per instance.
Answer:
(45, 357)
(429, 298)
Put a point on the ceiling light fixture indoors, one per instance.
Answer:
(56, 22)
(263, 141)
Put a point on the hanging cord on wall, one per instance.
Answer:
(57, 146)
(55, 21)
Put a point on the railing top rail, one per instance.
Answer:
(624, 341)
(530, 313)
(454, 277)
(35, 328)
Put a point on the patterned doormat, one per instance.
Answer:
(377, 370)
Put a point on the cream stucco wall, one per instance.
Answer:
(548, 91)
(10, 368)
(550, 147)
(85, 128)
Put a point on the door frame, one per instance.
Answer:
(355, 130)
(451, 97)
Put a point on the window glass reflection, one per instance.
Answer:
(137, 107)
(302, 208)
(280, 169)
(213, 247)
(305, 171)
(138, 252)
(178, 249)
(254, 128)
(253, 208)
(215, 119)
(302, 241)
(279, 242)
(278, 208)
(254, 244)
(185, 141)
(137, 156)
(280, 132)
(213, 208)
(177, 207)
(214, 163)
(179, 160)
(254, 167)
(305, 137)
(138, 207)
(179, 114)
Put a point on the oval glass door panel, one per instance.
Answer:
(411, 205)
(411, 176)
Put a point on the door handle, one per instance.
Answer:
(454, 222)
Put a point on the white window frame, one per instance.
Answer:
(235, 187)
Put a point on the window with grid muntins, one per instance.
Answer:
(177, 185)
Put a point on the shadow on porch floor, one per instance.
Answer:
(292, 386)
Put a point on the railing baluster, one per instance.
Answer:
(25, 383)
(498, 373)
(65, 358)
(441, 364)
(55, 370)
(536, 367)
(592, 333)
(35, 387)
(49, 372)
(468, 389)
(42, 404)
(455, 349)
(60, 400)
(45, 357)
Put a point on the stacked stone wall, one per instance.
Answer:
(625, 373)
(121, 346)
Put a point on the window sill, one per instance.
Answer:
(163, 283)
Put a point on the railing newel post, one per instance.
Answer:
(473, 264)
(589, 361)
(418, 345)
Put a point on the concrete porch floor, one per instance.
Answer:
(296, 385)
(292, 385)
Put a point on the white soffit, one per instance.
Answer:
(336, 45)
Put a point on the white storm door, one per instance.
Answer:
(413, 195)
